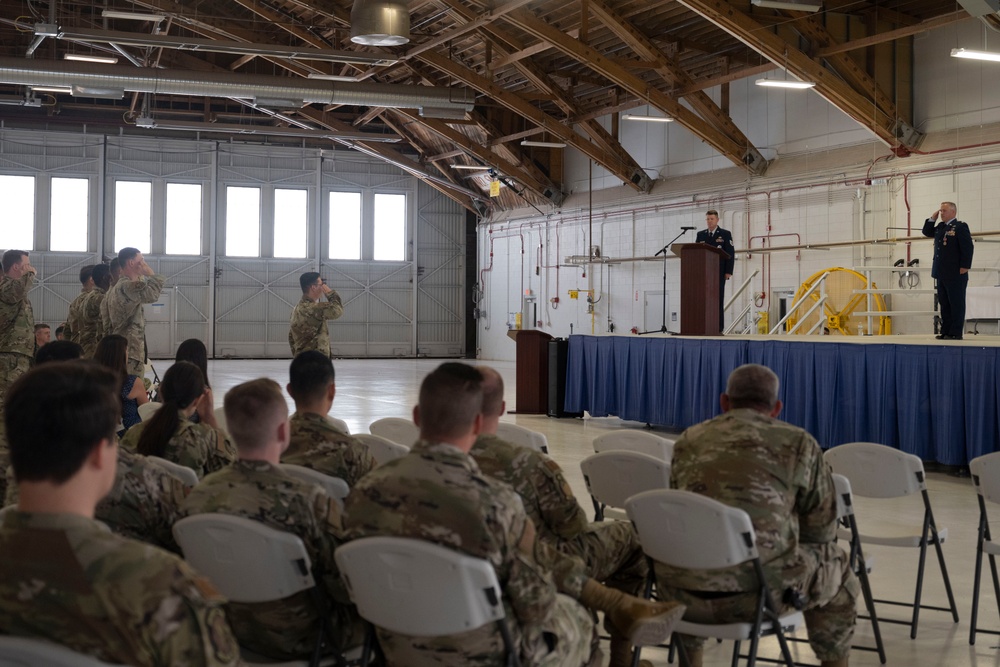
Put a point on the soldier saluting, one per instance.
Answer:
(17, 320)
(137, 285)
(307, 329)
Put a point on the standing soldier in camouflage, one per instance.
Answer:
(308, 329)
(747, 458)
(254, 487)
(610, 549)
(63, 577)
(315, 441)
(74, 317)
(437, 493)
(17, 320)
(91, 329)
(137, 286)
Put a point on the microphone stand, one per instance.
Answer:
(663, 251)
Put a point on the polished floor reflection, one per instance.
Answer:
(371, 389)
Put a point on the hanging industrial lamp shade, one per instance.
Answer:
(380, 22)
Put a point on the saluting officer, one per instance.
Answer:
(952, 261)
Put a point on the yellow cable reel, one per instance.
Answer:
(843, 300)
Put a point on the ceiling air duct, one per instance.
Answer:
(380, 22)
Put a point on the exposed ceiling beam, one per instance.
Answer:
(673, 75)
(282, 21)
(828, 84)
(481, 20)
(741, 155)
(638, 180)
(892, 35)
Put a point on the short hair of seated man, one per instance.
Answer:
(257, 416)
(450, 404)
(310, 377)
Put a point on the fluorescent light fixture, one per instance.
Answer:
(131, 16)
(975, 55)
(469, 167)
(544, 144)
(94, 91)
(53, 89)
(332, 77)
(107, 60)
(784, 83)
(149, 123)
(791, 5)
(649, 119)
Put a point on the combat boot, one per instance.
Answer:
(639, 621)
(834, 663)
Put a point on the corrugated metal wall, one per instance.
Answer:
(241, 306)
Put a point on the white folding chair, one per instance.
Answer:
(147, 410)
(24, 652)
(634, 440)
(691, 531)
(183, 473)
(523, 436)
(250, 562)
(382, 449)
(879, 471)
(986, 478)
(334, 487)
(220, 419)
(860, 564)
(401, 431)
(340, 424)
(614, 476)
(420, 589)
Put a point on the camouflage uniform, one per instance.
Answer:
(17, 330)
(91, 329)
(200, 447)
(142, 505)
(74, 318)
(308, 330)
(775, 472)
(5, 470)
(437, 493)
(260, 491)
(611, 549)
(126, 317)
(65, 579)
(316, 443)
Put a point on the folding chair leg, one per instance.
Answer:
(598, 509)
(866, 591)
(920, 578)
(983, 529)
(944, 571)
(736, 654)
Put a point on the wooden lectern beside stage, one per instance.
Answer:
(532, 368)
(699, 287)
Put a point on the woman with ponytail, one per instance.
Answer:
(170, 433)
(112, 352)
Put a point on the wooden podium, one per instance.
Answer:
(700, 266)
(532, 368)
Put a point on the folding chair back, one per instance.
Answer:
(340, 424)
(24, 652)
(382, 449)
(523, 436)
(147, 410)
(634, 440)
(986, 478)
(334, 487)
(877, 471)
(613, 477)
(246, 560)
(183, 473)
(420, 589)
(401, 431)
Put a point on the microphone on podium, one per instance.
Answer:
(688, 228)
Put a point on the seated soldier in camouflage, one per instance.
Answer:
(170, 433)
(610, 549)
(437, 493)
(315, 442)
(63, 577)
(747, 458)
(254, 487)
(142, 504)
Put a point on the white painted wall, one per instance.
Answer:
(813, 192)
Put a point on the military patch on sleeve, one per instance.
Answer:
(220, 637)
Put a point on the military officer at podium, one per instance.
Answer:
(723, 240)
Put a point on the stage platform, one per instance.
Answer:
(937, 399)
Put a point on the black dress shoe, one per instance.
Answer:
(942, 337)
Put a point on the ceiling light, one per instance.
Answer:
(107, 60)
(52, 89)
(131, 16)
(332, 77)
(149, 123)
(650, 119)
(380, 22)
(470, 167)
(784, 83)
(791, 5)
(544, 144)
(975, 55)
